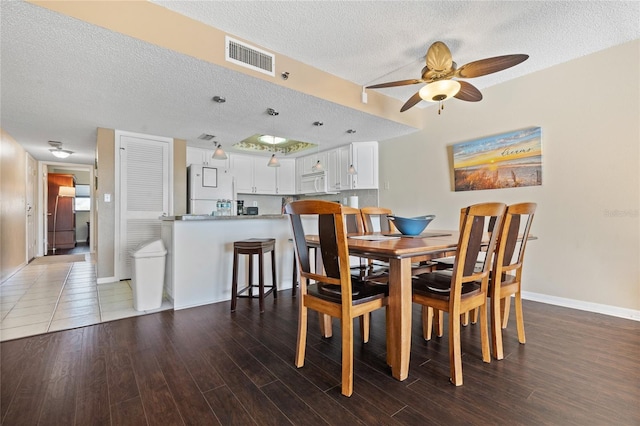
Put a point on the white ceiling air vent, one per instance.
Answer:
(249, 56)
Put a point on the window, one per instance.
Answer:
(83, 198)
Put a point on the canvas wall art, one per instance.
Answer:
(507, 160)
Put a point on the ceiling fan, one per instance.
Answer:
(440, 70)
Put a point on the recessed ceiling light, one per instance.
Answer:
(206, 137)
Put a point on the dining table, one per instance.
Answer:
(400, 252)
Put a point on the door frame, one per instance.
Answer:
(31, 206)
(43, 194)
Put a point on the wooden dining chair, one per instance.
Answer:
(334, 291)
(465, 286)
(506, 273)
(365, 270)
(377, 215)
(447, 263)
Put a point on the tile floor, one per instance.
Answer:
(46, 297)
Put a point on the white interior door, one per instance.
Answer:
(145, 184)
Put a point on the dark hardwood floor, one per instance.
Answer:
(208, 366)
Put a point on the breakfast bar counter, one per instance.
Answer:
(199, 262)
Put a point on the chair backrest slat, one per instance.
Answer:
(386, 226)
(328, 245)
(475, 244)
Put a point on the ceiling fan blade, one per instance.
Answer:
(468, 92)
(394, 84)
(489, 65)
(439, 57)
(411, 102)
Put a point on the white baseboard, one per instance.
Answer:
(614, 311)
(106, 280)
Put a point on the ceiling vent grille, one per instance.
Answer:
(249, 56)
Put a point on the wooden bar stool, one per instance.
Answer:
(250, 247)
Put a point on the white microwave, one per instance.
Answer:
(314, 183)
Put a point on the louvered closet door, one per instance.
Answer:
(144, 183)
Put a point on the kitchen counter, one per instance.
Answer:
(199, 263)
(191, 217)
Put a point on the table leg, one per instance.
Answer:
(400, 316)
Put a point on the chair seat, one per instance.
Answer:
(361, 291)
(438, 285)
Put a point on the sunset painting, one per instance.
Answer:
(508, 160)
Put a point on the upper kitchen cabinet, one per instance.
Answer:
(338, 162)
(304, 165)
(252, 175)
(203, 156)
(365, 160)
(286, 176)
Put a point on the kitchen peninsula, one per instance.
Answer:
(199, 263)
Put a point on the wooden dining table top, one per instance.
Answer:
(431, 243)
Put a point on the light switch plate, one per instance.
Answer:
(107, 198)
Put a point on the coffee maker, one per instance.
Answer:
(240, 207)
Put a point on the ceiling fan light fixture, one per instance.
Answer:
(60, 153)
(273, 161)
(439, 90)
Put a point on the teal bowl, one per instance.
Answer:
(411, 225)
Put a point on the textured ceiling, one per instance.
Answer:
(62, 78)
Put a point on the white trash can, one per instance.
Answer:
(148, 275)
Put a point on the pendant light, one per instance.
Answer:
(318, 167)
(219, 153)
(273, 161)
(351, 171)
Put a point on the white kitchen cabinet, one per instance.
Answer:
(299, 171)
(203, 156)
(304, 166)
(344, 162)
(333, 169)
(286, 176)
(311, 160)
(197, 155)
(338, 162)
(252, 175)
(365, 160)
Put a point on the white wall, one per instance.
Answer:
(587, 220)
